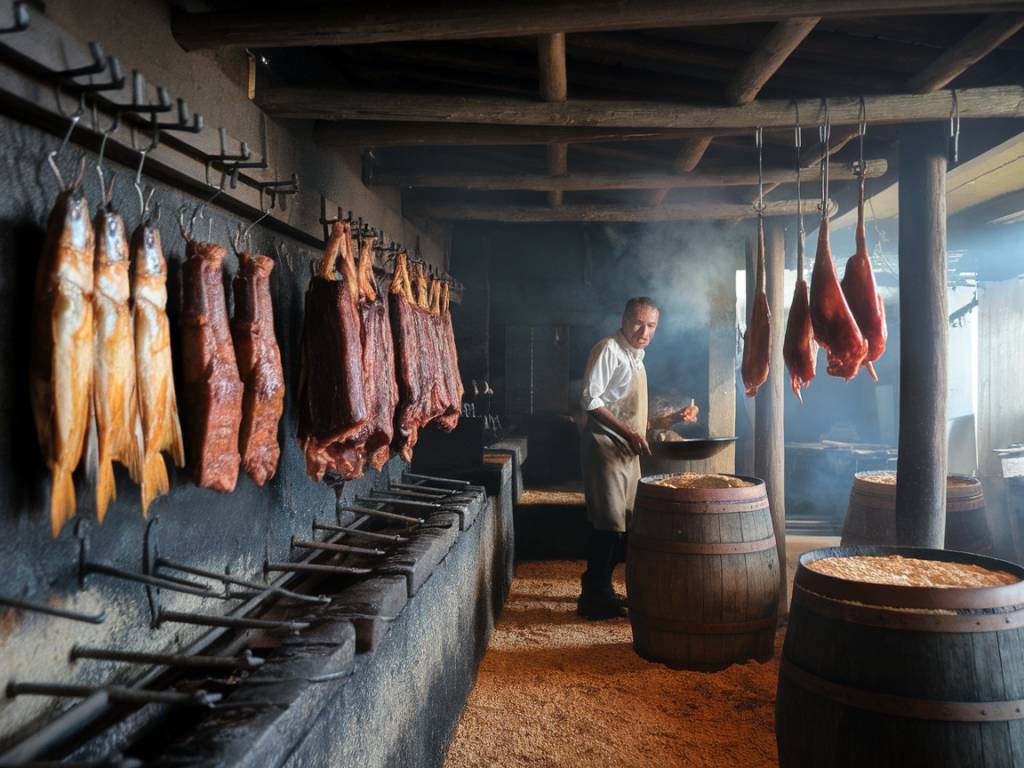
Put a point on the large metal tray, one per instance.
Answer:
(691, 448)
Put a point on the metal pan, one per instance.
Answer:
(691, 448)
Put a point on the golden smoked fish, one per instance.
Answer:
(158, 407)
(115, 403)
(61, 365)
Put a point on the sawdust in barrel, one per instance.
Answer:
(911, 572)
(551, 497)
(698, 480)
(889, 478)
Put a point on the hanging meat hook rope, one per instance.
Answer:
(74, 118)
(825, 136)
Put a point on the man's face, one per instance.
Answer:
(639, 325)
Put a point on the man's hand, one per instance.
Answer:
(689, 413)
(639, 444)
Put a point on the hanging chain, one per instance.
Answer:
(797, 143)
(825, 135)
(954, 127)
(759, 143)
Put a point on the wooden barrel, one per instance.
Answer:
(702, 573)
(885, 675)
(870, 517)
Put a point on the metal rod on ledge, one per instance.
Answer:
(44, 740)
(382, 513)
(237, 622)
(107, 762)
(63, 613)
(312, 568)
(212, 663)
(163, 562)
(426, 489)
(102, 569)
(403, 502)
(403, 494)
(329, 547)
(355, 532)
(118, 693)
(449, 480)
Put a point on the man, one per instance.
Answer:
(613, 440)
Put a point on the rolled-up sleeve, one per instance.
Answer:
(597, 377)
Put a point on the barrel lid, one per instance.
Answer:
(648, 488)
(901, 596)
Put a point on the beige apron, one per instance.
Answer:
(611, 470)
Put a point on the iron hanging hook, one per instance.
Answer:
(198, 212)
(244, 236)
(143, 153)
(759, 143)
(797, 142)
(862, 128)
(73, 118)
(105, 193)
(825, 135)
(954, 127)
(21, 19)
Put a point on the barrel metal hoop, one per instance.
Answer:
(702, 507)
(667, 546)
(660, 624)
(903, 706)
(888, 617)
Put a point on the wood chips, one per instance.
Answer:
(697, 480)
(889, 478)
(911, 572)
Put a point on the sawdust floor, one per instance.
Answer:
(557, 690)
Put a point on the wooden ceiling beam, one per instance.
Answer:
(374, 23)
(330, 104)
(364, 133)
(539, 182)
(705, 211)
(764, 62)
(980, 41)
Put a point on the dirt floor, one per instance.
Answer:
(557, 690)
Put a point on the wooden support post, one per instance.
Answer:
(769, 430)
(720, 409)
(921, 468)
(554, 86)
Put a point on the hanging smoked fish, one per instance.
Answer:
(158, 407)
(61, 367)
(115, 403)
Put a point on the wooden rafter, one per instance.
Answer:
(372, 23)
(706, 211)
(328, 104)
(980, 41)
(764, 62)
(540, 182)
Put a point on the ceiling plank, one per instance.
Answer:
(374, 23)
(554, 88)
(540, 182)
(331, 104)
(762, 63)
(703, 211)
(953, 62)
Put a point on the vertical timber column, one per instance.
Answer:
(720, 409)
(921, 483)
(769, 434)
(554, 86)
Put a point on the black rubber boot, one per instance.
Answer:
(598, 599)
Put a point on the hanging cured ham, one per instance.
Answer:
(758, 338)
(412, 361)
(158, 407)
(381, 387)
(61, 366)
(450, 418)
(332, 404)
(211, 386)
(115, 402)
(799, 349)
(259, 365)
(862, 294)
(835, 328)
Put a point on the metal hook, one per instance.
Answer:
(243, 235)
(825, 134)
(99, 63)
(198, 212)
(73, 118)
(954, 127)
(862, 128)
(106, 134)
(138, 103)
(143, 153)
(21, 19)
(185, 122)
(759, 143)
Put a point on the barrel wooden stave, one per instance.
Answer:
(870, 516)
(692, 609)
(880, 650)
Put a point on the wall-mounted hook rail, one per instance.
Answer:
(186, 121)
(280, 190)
(209, 663)
(22, 19)
(98, 65)
(114, 82)
(49, 610)
(116, 693)
(139, 105)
